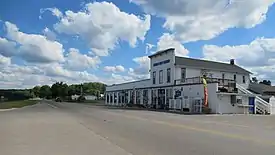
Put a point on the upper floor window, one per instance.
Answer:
(223, 77)
(154, 77)
(243, 79)
(168, 75)
(160, 76)
(235, 77)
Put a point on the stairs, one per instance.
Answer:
(262, 107)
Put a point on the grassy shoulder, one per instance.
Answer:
(16, 104)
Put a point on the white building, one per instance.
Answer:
(175, 83)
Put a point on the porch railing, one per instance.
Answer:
(226, 83)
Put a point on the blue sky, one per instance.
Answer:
(108, 41)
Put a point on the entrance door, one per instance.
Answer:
(252, 105)
(161, 98)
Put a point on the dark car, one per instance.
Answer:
(58, 99)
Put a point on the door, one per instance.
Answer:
(251, 105)
(161, 98)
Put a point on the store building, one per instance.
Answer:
(175, 83)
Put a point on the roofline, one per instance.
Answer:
(211, 61)
(212, 69)
(127, 82)
(161, 51)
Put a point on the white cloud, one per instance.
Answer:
(117, 79)
(148, 48)
(15, 76)
(142, 70)
(50, 35)
(258, 56)
(77, 61)
(4, 60)
(204, 20)
(102, 25)
(114, 69)
(7, 48)
(169, 41)
(144, 65)
(58, 71)
(33, 47)
(56, 12)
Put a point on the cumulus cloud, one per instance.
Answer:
(16, 76)
(258, 56)
(114, 69)
(204, 20)
(148, 47)
(101, 30)
(7, 48)
(4, 60)
(49, 34)
(142, 70)
(77, 61)
(169, 41)
(56, 12)
(33, 47)
(117, 79)
(59, 71)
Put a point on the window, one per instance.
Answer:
(154, 77)
(183, 74)
(168, 75)
(235, 77)
(160, 76)
(222, 77)
(243, 79)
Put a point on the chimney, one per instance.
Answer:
(232, 62)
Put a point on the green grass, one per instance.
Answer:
(16, 104)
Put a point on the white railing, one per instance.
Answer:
(261, 105)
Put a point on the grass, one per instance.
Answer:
(16, 104)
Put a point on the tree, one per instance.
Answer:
(45, 92)
(266, 82)
(36, 91)
(59, 89)
(254, 80)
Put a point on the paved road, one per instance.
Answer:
(70, 129)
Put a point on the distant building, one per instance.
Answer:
(87, 97)
(90, 97)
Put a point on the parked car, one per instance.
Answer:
(58, 99)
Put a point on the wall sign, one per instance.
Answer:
(161, 62)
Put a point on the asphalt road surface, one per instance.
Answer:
(51, 128)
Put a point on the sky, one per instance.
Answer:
(42, 42)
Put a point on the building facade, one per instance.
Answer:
(176, 83)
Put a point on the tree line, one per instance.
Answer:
(266, 82)
(58, 89)
(63, 90)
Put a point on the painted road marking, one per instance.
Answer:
(214, 132)
(52, 106)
